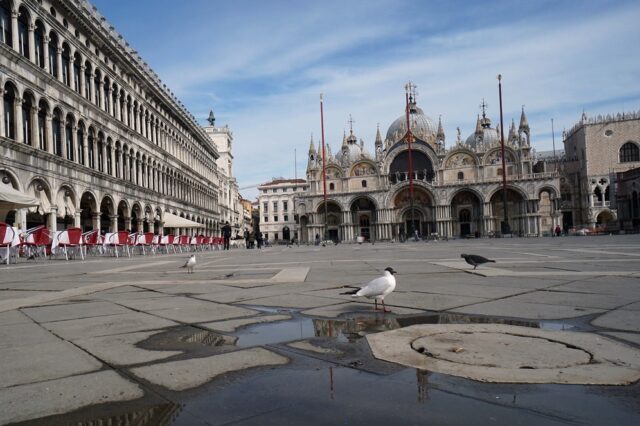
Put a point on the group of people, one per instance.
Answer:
(253, 238)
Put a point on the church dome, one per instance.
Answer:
(484, 137)
(352, 151)
(422, 126)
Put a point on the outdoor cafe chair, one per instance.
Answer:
(93, 241)
(118, 240)
(70, 239)
(155, 243)
(35, 242)
(7, 236)
(166, 241)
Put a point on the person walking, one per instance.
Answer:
(246, 238)
(558, 231)
(226, 234)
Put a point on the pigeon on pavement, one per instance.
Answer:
(190, 264)
(475, 260)
(377, 288)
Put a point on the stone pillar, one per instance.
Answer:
(95, 221)
(35, 135)
(93, 88)
(134, 110)
(2, 130)
(32, 43)
(127, 222)
(14, 30)
(113, 161)
(113, 223)
(77, 219)
(121, 164)
(85, 149)
(59, 65)
(74, 143)
(63, 139)
(45, 53)
(49, 133)
(117, 113)
(81, 82)
(17, 107)
(52, 219)
(152, 137)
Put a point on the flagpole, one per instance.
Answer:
(324, 169)
(504, 228)
(409, 139)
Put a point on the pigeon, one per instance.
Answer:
(190, 264)
(475, 260)
(377, 288)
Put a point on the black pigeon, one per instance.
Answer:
(475, 260)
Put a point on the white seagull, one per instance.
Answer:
(377, 288)
(190, 264)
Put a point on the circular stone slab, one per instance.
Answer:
(509, 354)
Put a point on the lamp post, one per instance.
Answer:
(504, 226)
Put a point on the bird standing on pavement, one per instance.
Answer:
(190, 264)
(475, 260)
(377, 288)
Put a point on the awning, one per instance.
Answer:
(65, 205)
(170, 220)
(11, 199)
(44, 204)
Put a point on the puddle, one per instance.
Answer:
(208, 338)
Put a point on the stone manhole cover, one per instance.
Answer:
(509, 354)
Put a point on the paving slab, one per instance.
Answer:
(18, 294)
(121, 349)
(571, 299)
(430, 302)
(292, 301)
(14, 317)
(232, 325)
(333, 311)
(291, 275)
(620, 319)
(36, 400)
(204, 312)
(629, 337)
(130, 295)
(187, 374)
(24, 334)
(507, 308)
(307, 346)
(43, 361)
(631, 307)
(74, 311)
(192, 288)
(232, 295)
(109, 325)
(509, 354)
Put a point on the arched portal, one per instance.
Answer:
(420, 164)
(515, 211)
(420, 218)
(363, 212)
(106, 211)
(466, 211)
(88, 208)
(123, 215)
(333, 220)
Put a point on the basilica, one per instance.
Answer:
(457, 189)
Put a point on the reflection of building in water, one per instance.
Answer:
(447, 318)
(158, 415)
(353, 328)
(422, 377)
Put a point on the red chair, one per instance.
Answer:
(118, 240)
(7, 235)
(155, 243)
(71, 239)
(144, 241)
(93, 241)
(166, 241)
(36, 242)
(183, 242)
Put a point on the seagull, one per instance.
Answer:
(190, 264)
(475, 260)
(377, 288)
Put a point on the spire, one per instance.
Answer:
(512, 131)
(378, 136)
(440, 134)
(479, 125)
(344, 139)
(329, 155)
(312, 147)
(524, 124)
(212, 118)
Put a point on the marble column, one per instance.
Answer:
(32, 43)
(59, 64)
(17, 108)
(49, 132)
(34, 127)
(14, 30)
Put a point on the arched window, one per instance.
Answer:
(9, 113)
(56, 126)
(364, 183)
(53, 54)
(80, 143)
(87, 80)
(76, 72)
(109, 165)
(332, 186)
(629, 152)
(27, 106)
(23, 32)
(105, 89)
(460, 176)
(42, 126)
(91, 149)
(5, 22)
(38, 37)
(66, 64)
(68, 136)
(100, 152)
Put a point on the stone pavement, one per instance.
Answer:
(102, 336)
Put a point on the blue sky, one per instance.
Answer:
(260, 65)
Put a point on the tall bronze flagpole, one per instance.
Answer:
(504, 228)
(324, 170)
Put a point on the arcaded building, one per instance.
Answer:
(91, 131)
(598, 150)
(457, 188)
